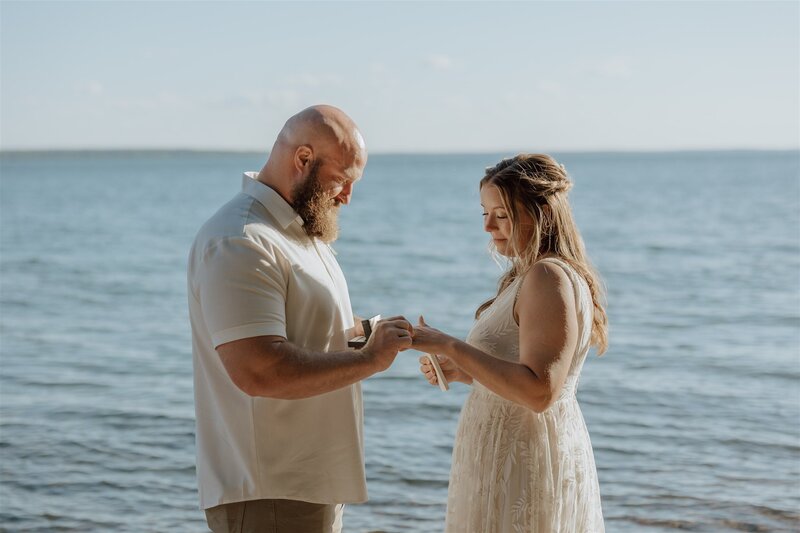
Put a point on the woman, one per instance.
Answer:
(522, 460)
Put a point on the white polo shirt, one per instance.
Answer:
(253, 271)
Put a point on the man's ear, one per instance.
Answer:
(303, 158)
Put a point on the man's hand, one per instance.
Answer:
(388, 337)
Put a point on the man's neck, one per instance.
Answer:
(267, 177)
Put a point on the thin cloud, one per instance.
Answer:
(546, 89)
(378, 68)
(285, 98)
(255, 99)
(314, 80)
(93, 88)
(162, 100)
(439, 62)
(234, 101)
(617, 67)
(139, 104)
(458, 102)
(550, 87)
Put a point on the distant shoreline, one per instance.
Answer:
(192, 151)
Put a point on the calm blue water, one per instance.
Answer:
(694, 412)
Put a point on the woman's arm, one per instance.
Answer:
(548, 335)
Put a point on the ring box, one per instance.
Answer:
(368, 325)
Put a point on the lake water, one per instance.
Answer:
(694, 412)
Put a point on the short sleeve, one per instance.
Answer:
(242, 290)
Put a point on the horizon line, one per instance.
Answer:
(34, 151)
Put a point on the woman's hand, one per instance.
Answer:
(428, 339)
(449, 369)
(431, 340)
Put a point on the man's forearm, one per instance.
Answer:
(286, 371)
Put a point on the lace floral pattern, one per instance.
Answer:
(514, 470)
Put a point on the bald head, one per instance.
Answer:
(316, 135)
(325, 128)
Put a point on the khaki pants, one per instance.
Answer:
(275, 516)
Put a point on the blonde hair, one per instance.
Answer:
(538, 185)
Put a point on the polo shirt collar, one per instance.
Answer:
(269, 198)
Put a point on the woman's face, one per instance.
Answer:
(497, 223)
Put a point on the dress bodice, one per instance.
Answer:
(496, 332)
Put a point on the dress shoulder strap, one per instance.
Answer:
(566, 267)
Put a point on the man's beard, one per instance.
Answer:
(320, 213)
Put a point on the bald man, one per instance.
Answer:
(277, 392)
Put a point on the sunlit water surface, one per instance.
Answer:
(694, 412)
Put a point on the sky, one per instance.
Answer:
(416, 76)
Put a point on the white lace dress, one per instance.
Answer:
(515, 470)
